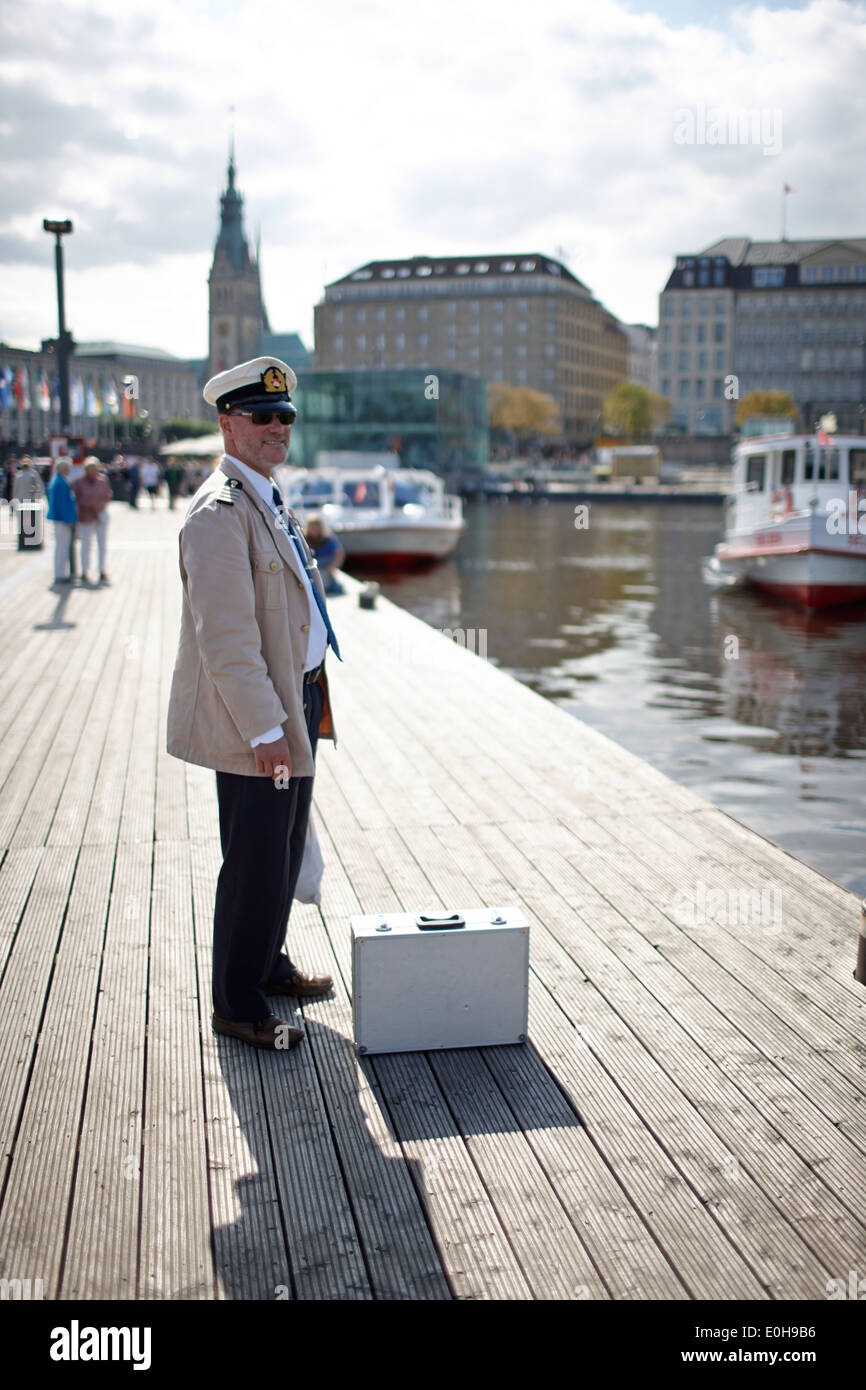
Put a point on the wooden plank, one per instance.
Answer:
(35, 1202)
(103, 1240)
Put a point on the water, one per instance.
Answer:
(757, 706)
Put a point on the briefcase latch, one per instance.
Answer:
(440, 923)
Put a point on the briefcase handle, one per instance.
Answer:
(440, 923)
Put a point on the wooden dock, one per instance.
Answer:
(686, 1121)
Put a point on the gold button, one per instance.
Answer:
(300, 584)
(274, 565)
(305, 627)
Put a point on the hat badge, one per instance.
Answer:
(274, 380)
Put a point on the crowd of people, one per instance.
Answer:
(75, 496)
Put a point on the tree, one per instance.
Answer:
(523, 411)
(765, 403)
(632, 409)
(186, 429)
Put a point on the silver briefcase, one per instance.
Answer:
(425, 981)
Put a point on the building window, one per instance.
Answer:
(686, 307)
(498, 306)
(360, 316)
(474, 304)
(522, 326)
(521, 375)
(451, 330)
(699, 388)
(685, 332)
(497, 351)
(720, 304)
(718, 332)
(400, 341)
(768, 275)
(423, 340)
(521, 350)
(338, 316)
(701, 333)
(474, 353)
(666, 386)
(720, 361)
(338, 344)
(718, 388)
(400, 315)
(380, 341)
(522, 306)
(689, 279)
(702, 361)
(684, 390)
(451, 354)
(668, 308)
(423, 315)
(380, 315)
(451, 306)
(683, 362)
(360, 342)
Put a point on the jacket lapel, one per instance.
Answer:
(281, 540)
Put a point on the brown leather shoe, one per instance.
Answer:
(271, 1032)
(301, 986)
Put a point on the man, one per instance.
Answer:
(328, 552)
(93, 494)
(63, 511)
(249, 696)
(150, 478)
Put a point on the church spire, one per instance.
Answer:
(231, 240)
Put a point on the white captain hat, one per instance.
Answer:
(263, 383)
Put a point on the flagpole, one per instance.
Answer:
(784, 206)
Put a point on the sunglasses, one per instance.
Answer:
(264, 417)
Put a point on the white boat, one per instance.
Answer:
(380, 514)
(795, 520)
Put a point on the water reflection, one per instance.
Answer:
(757, 705)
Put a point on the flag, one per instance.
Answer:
(109, 397)
(55, 393)
(6, 378)
(76, 396)
(44, 392)
(90, 398)
(128, 406)
(25, 389)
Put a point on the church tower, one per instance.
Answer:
(236, 310)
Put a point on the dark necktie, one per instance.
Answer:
(295, 539)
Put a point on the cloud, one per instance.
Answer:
(390, 129)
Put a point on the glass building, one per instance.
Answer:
(433, 419)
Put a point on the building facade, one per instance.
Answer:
(236, 318)
(523, 320)
(642, 354)
(765, 316)
(432, 420)
(116, 392)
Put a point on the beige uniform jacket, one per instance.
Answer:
(243, 636)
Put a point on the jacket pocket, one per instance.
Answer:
(269, 577)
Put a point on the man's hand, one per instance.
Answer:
(273, 758)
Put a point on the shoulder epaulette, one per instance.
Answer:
(227, 493)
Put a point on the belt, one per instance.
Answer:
(310, 677)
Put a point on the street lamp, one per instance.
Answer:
(64, 339)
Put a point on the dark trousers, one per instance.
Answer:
(262, 831)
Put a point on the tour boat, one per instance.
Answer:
(380, 514)
(795, 519)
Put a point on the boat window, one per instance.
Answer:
(809, 463)
(308, 493)
(405, 493)
(789, 467)
(755, 472)
(857, 466)
(829, 468)
(360, 494)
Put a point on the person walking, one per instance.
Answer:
(150, 478)
(63, 511)
(134, 480)
(93, 494)
(249, 695)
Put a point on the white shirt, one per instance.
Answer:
(317, 641)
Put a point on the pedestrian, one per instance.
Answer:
(249, 696)
(150, 478)
(134, 481)
(63, 511)
(173, 479)
(29, 493)
(328, 552)
(93, 494)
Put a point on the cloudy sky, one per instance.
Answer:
(584, 128)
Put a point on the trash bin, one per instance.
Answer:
(30, 524)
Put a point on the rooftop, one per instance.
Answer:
(742, 251)
(448, 267)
